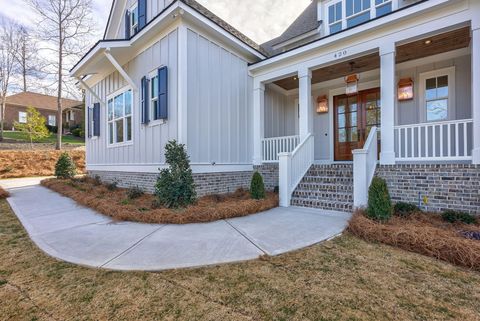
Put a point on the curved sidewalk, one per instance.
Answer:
(79, 235)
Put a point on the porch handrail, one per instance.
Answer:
(443, 140)
(293, 167)
(276, 145)
(365, 162)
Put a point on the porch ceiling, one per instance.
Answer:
(448, 41)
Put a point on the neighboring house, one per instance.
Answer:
(299, 108)
(16, 109)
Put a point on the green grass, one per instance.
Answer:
(66, 139)
(343, 279)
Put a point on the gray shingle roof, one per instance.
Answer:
(306, 22)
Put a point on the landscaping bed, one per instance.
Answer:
(425, 233)
(14, 164)
(132, 205)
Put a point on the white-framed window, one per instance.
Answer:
(437, 90)
(71, 116)
(22, 117)
(342, 14)
(52, 120)
(119, 117)
(134, 19)
(153, 94)
(335, 17)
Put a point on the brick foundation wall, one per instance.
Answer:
(447, 186)
(270, 175)
(206, 183)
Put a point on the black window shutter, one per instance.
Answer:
(127, 25)
(163, 93)
(96, 119)
(145, 100)
(89, 122)
(142, 14)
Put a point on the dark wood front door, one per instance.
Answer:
(355, 115)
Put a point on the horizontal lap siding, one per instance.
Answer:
(219, 104)
(148, 142)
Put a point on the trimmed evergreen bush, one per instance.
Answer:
(134, 193)
(379, 204)
(175, 186)
(456, 216)
(65, 167)
(403, 209)
(257, 187)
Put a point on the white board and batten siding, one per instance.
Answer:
(148, 141)
(219, 104)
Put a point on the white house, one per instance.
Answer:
(350, 89)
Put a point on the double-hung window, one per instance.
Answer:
(22, 117)
(357, 12)
(154, 110)
(52, 120)
(120, 118)
(134, 19)
(437, 89)
(335, 17)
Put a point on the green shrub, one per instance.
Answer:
(175, 186)
(134, 192)
(456, 216)
(257, 188)
(65, 167)
(405, 209)
(112, 186)
(379, 203)
(76, 132)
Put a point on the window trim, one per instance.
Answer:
(54, 120)
(152, 75)
(110, 97)
(451, 108)
(25, 116)
(133, 32)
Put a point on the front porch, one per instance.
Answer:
(439, 124)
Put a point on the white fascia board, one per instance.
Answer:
(99, 48)
(364, 44)
(377, 23)
(217, 29)
(155, 168)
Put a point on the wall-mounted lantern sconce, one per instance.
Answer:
(352, 84)
(405, 89)
(322, 104)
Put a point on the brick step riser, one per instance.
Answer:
(322, 197)
(323, 205)
(325, 188)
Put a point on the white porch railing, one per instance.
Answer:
(364, 165)
(276, 145)
(293, 167)
(439, 141)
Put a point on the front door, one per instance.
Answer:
(355, 115)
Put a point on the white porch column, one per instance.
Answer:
(388, 86)
(476, 90)
(258, 122)
(305, 102)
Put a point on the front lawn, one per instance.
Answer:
(343, 279)
(52, 139)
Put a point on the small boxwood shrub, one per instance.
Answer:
(403, 209)
(379, 204)
(456, 216)
(257, 187)
(175, 186)
(134, 193)
(65, 167)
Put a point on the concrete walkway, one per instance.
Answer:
(76, 234)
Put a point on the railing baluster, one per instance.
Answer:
(465, 142)
(434, 140)
(412, 141)
(441, 140)
(427, 147)
(449, 132)
(457, 141)
(419, 142)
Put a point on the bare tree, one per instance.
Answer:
(65, 25)
(29, 63)
(8, 49)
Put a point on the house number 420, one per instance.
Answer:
(340, 54)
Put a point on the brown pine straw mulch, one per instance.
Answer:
(423, 233)
(16, 163)
(117, 205)
(3, 194)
